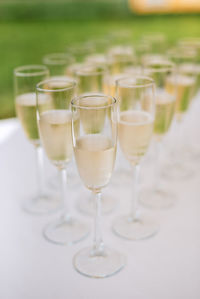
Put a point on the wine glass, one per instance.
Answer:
(136, 96)
(99, 45)
(191, 43)
(158, 196)
(54, 122)
(25, 80)
(91, 78)
(184, 81)
(156, 40)
(142, 48)
(80, 50)
(123, 169)
(57, 63)
(120, 57)
(95, 151)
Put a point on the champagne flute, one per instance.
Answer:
(191, 43)
(91, 79)
(54, 123)
(142, 48)
(99, 45)
(157, 41)
(184, 81)
(95, 153)
(123, 170)
(80, 50)
(120, 57)
(58, 63)
(158, 196)
(136, 96)
(25, 80)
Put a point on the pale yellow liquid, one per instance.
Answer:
(26, 112)
(93, 119)
(91, 80)
(56, 135)
(135, 132)
(95, 158)
(165, 106)
(120, 58)
(184, 88)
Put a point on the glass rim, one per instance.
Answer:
(164, 66)
(81, 71)
(58, 58)
(150, 82)
(93, 95)
(53, 79)
(21, 71)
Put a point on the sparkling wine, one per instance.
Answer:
(26, 112)
(60, 99)
(90, 79)
(55, 131)
(184, 87)
(135, 132)
(95, 157)
(93, 119)
(119, 58)
(165, 106)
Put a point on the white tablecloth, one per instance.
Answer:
(166, 266)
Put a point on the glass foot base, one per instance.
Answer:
(87, 205)
(42, 205)
(138, 229)
(64, 232)
(158, 199)
(98, 266)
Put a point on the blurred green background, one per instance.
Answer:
(30, 29)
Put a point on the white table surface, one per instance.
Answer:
(166, 266)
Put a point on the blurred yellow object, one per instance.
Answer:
(153, 6)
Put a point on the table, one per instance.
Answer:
(166, 266)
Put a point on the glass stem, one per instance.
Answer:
(63, 188)
(134, 203)
(179, 131)
(156, 178)
(98, 245)
(40, 170)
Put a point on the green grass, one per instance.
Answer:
(26, 42)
